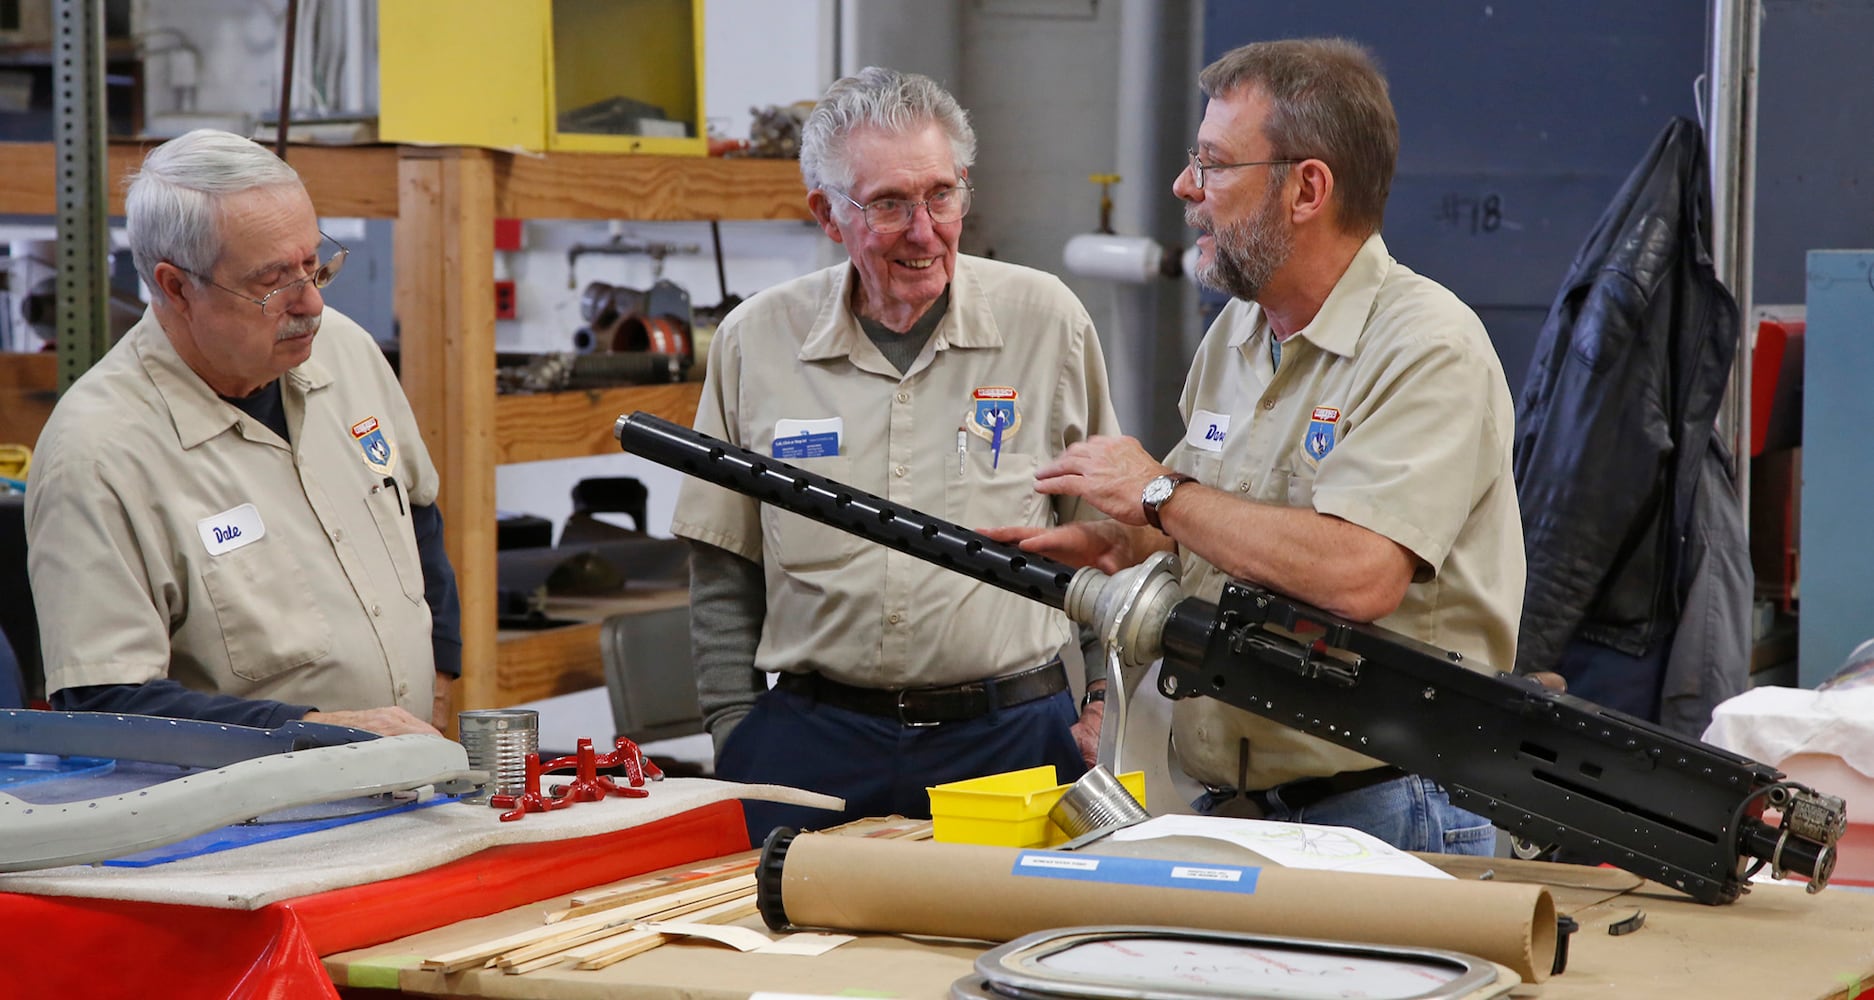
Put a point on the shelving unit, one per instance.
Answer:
(445, 201)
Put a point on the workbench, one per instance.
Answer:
(1776, 942)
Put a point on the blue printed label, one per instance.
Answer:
(807, 446)
(1136, 871)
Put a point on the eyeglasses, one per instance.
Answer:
(275, 303)
(893, 215)
(1199, 166)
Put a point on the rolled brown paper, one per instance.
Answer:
(1002, 893)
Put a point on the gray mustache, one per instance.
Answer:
(298, 326)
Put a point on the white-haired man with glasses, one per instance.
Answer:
(231, 516)
(938, 380)
(1348, 436)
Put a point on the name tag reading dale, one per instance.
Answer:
(231, 529)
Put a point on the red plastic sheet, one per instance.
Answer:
(61, 948)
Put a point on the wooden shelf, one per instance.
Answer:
(544, 426)
(535, 664)
(447, 201)
(650, 188)
(342, 180)
(29, 386)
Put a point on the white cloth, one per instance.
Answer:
(1773, 724)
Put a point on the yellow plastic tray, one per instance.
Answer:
(1008, 809)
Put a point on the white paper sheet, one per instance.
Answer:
(1291, 845)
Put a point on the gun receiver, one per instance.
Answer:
(1542, 766)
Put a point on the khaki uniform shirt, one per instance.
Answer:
(1390, 411)
(170, 534)
(858, 612)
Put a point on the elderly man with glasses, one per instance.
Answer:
(1348, 436)
(231, 516)
(939, 380)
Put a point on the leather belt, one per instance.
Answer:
(930, 706)
(1304, 792)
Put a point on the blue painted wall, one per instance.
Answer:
(1837, 477)
(1518, 121)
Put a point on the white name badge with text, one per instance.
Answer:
(1207, 430)
(231, 529)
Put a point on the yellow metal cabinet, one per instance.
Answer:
(582, 75)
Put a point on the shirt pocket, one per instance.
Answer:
(1300, 489)
(391, 510)
(798, 544)
(269, 621)
(979, 495)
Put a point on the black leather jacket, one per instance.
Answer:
(1616, 413)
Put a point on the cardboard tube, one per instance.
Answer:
(1001, 893)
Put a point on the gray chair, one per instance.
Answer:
(648, 674)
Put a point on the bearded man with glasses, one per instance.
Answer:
(231, 516)
(937, 379)
(1348, 434)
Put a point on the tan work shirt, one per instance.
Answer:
(170, 534)
(858, 612)
(1390, 411)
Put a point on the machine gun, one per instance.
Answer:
(1542, 766)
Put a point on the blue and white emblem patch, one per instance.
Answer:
(379, 453)
(1320, 437)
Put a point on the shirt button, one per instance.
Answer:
(1242, 487)
(1268, 404)
(338, 534)
(402, 690)
(901, 470)
(377, 611)
(904, 397)
(894, 618)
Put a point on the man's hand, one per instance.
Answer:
(1108, 472)
(442, 705)
(1087, 731)
(392, 721)
(1107, 546)
(1552, 681)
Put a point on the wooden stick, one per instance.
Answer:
(647, 888)
(566, 939)
(723, 913)
(475, 954)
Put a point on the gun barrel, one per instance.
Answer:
(838, 505)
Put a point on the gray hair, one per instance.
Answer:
(884, 100)
(172, 208)
(1328, 101)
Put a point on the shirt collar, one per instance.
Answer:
(197, 412)
(836, 332)
(1337, 325)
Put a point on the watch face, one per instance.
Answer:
(1159, 489)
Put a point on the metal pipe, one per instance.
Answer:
(1731, 138)
(286, 78)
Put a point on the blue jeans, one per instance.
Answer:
(1410, 813)
(879, 767)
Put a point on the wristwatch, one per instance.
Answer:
(1157, 492)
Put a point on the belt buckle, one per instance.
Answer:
(907, 722)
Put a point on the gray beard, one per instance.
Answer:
(1245, 255)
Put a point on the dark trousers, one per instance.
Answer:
(878, 766)
(1613, 679)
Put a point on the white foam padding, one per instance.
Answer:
(247, 878)
(1773, 724)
